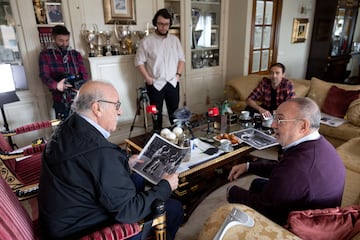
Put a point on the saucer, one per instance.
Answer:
(245, 119)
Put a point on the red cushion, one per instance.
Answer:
(117, 231)
(15, 223)
(338, 100)
(28, 170)
(325, 224)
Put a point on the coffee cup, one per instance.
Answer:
(244, 115)
(225, 145)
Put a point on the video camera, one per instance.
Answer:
(76, 81)
(142, 94)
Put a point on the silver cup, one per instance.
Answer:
(89, 36)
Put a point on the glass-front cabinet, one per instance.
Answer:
(202, 34)
(201, 27)
(344, 25)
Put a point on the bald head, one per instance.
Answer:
(89, 93)
(98, 101)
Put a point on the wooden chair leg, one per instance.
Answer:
(159, 221)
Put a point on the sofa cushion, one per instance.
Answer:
(349, 153)
(301, 87)
(353, 112)
(338, 100)
(330, 223)
(245, 85)
(319, 89)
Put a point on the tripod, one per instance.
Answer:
(141, 102)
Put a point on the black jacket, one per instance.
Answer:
(85, 183)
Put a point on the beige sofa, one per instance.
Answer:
(265, 228)
(238, 89)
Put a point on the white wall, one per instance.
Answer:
(294, 56)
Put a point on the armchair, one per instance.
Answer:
(16, 223)
(27, 171)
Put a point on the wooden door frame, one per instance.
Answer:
(276, 19)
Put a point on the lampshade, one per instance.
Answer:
(7, 86)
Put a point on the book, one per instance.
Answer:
(256, 138)
(160, 156)
(331, 120)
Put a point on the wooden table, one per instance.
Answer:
(198, 182)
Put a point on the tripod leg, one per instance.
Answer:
(146, 124)
(133, 122)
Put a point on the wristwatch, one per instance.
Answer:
(179, 74)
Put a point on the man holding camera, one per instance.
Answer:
(62, 70)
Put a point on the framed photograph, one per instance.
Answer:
(300, 30)
(176, 19)
(214, 38)
(119, 11)
(54, 13)
(213, 18)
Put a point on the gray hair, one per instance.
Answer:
(309, 110)
(82, 103)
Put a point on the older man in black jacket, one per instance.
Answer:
(86, 181)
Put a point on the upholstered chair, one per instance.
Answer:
(25, 172)
(16, 223)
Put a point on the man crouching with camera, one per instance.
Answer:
(62, 70)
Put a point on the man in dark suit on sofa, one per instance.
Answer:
(309, 175)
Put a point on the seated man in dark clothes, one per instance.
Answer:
(271, 92)
(309, 175)
(86, 182)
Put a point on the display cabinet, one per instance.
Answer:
(47, 14)
(331, 43)
(200, 27)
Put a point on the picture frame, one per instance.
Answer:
(300, 30)
(176, 20)
(54, 13)
(119, 11)
(214, 38)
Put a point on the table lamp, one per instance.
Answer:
(7, 93)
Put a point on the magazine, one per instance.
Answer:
(331, 120)
(256, 138)
(160, 156)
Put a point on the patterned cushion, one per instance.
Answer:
(116, 231)
(15, 223)
(263, 228)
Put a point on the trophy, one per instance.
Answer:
(100, 36)
(89, 36)
(123, 34)
(107, 35)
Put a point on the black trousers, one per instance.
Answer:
(171, 95)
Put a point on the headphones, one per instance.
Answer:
(164, 13)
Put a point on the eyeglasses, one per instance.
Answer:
(163, 24)
(117, 104)
(281, 121)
